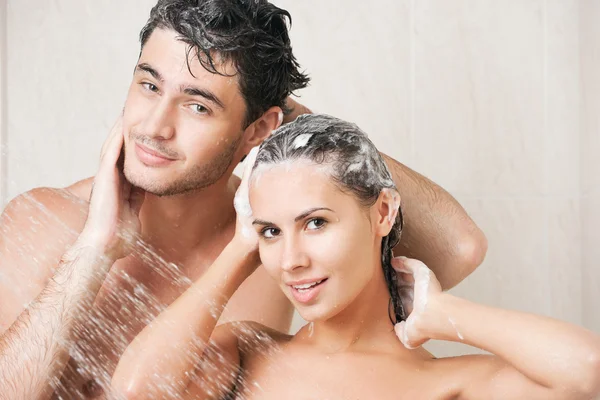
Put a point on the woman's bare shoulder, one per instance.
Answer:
(466, 369)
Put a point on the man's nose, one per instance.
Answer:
(159, 123)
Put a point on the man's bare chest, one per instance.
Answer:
(136, 290)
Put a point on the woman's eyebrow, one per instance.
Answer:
(261, 222)
(298, 218)
(308, 212)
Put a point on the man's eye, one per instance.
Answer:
(199, 109)
(316, 223)
(150, 87)
(269, 233)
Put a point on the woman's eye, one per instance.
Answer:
(150, 87)
(269, 233)
(199, 109)
(316, 223)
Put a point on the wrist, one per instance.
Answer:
(247, 255)
(93, 243)
(444, 322)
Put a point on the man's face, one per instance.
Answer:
(182, 131)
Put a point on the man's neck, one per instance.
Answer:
(189, 221)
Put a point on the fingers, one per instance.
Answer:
(112, 151)
(250, 161)
(116, 130)
(241, 201)
(410, 266)
(401, 330)
(398, 263)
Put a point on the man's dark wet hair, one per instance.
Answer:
(251, 34)
(356, 167)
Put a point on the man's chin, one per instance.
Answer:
(145, 183)
(160, 188)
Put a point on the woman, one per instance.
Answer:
(323, 220)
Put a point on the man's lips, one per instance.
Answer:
(151, 158)
(154, 152)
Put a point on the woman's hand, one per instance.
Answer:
(245, 235)
(420, 292)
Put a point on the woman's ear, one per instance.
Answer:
(386, 209)
(262, 128)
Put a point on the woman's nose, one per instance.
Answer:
(293, 256)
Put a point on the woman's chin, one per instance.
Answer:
(316, 313)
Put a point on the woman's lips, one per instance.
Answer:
(304, 294)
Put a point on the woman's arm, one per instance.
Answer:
(173, 352)
(162, 359)
(536, 357)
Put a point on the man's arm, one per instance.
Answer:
(437, 230)
(34, 350)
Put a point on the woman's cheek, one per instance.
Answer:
(269, 258)
(328, 248)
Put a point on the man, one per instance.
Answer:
(80, 279)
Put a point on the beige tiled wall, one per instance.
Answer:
(3, 131)
(590, 160)
(497, 101)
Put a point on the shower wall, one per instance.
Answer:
(590, 160)
(3, 133)
(497, 101)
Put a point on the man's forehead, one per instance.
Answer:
(173, 58)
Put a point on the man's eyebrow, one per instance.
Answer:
(298, 218)
(144, 67)
(206, 94)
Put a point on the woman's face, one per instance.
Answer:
(318, 243)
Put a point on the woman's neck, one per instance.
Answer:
(362, 325)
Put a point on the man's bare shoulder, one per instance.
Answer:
(81, 189)
(36, 228)
(49, 208)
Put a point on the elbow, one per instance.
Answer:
(589, 382)
(127, 389)
(469, 252)
(472, 249)
(131, 383)
(583, 382)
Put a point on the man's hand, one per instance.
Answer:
(113, 219)
(295, 108)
